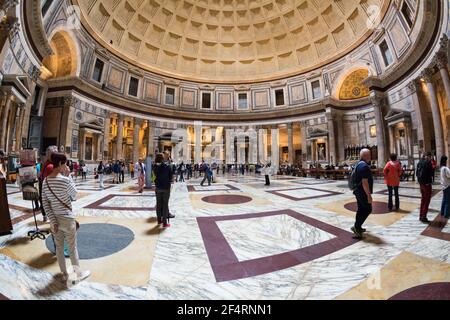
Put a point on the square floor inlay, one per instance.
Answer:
(225, 246)
(125, 202)
(267, 236)
(306, 193)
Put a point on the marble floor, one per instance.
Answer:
(236, 239)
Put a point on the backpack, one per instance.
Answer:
(420, 170)
(352, 184)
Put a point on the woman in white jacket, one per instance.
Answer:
(267, 171)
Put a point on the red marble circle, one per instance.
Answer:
(429, 291)
(227, 199)
(377, 207)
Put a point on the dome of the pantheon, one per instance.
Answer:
(230, 40)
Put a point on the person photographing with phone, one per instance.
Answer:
(58, 192)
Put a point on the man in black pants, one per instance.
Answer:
(363, 192)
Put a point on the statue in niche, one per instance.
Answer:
(321, 151)
(402, 142)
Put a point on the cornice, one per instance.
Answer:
(96, 94)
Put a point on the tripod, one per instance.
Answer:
(30, 193)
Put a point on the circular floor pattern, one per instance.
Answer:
(97, 240)
(377, 207)
(227, 199)
(429, 291)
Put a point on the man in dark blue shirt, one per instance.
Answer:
(363, 192)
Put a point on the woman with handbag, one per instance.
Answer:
(57, 193)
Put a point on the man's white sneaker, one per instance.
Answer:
(83, 275)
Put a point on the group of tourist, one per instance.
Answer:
(57, 191)
(361, 182)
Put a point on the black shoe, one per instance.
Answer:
(358, 233)
(171, 216)
(363, 230)
(424, 220)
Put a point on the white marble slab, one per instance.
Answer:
(131, 202)
(266, 236)
(212, 187)
(303, 193)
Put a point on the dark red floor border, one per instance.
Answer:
(2, 297)
(434, 230)
(227, 267)
(328, 193)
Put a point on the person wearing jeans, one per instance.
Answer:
(363, 192)
(424, 175)
(164, 176)
(445, 181)
(392, 173)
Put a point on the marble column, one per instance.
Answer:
(136, 131)
(275, 155)
(15, 143)
(106, 136)
(391, 139)
(119, 138)
(377, 103)
(4, 120)
(151, 139)
(442, 62)
(198, 143)
(291, 151)
(303, 128)
(340, 153)
(98, 138)
(262, 145)
(427, 75)
(331, 138)
(82, 144)
(423, 130)
(218, 145)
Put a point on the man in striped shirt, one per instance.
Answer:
(58, 191)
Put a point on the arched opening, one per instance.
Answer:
(64, 61)
(353, 87)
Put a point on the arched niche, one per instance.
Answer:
(64, 61)
(348, 85)
(352, 86)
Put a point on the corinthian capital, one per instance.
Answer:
(376, 99)
(427, 75)
(5, 5)
(414, 85)
(441, 60)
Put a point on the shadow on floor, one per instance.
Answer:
(155, 231)
(54, 287)
(44, 260)
(370, 238)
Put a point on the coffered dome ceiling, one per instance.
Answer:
(230, 40)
